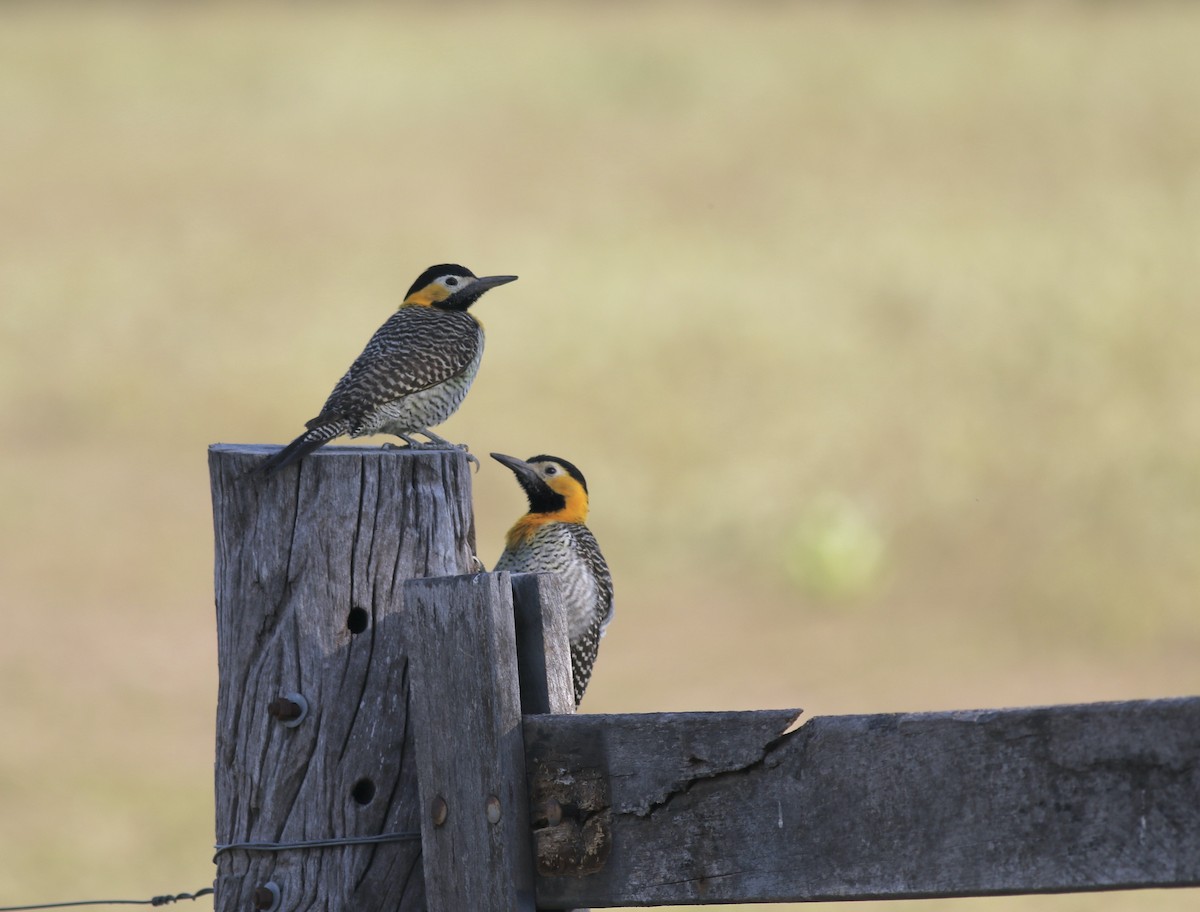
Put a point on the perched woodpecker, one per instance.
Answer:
(553, 538)
(413, 374)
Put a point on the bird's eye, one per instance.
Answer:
(451, 281)
(551, 470)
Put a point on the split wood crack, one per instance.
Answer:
(721, 772)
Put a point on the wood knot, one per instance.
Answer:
(572, 821)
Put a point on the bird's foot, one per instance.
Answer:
(438, 440)
(411, 443)
(435, 442)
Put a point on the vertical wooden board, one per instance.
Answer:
(308, 570)
(543, 646)
(544, 664)
(466, 711)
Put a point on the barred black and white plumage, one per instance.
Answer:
(553, 538)
(414, 372)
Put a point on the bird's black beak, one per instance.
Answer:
(483, 283)
(519, 467)
(472, 292)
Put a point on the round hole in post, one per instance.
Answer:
(267, 897)
(290, 710)
(363, 791)
(357, 619)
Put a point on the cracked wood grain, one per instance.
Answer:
(481, 648)
(720, 808)
(466, 713)
(309, 567)
(543, 650)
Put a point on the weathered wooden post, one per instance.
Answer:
(313, 740)
(464, 636)
(339, 788)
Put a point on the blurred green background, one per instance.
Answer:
(874, 327)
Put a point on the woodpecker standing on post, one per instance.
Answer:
(553, 538)
(413, 374)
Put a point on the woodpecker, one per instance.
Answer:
(413, 374)
(553, 538)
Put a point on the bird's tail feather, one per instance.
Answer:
(302, 446)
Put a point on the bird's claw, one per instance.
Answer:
(435, 442)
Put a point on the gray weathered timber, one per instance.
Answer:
(466, 714)
(543, 644)
(309, 566)
(543, 663)
(725, 808)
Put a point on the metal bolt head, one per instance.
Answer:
(493, 809)
(439, 810)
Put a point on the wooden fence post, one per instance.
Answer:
(543, 650)
(463, 636)
(313, 741)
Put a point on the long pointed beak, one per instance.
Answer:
(519, 467)
(542, 497)
(483, 283)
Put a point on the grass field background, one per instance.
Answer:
(874, 328)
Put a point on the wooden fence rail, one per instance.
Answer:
(724, 807)
(439, 709)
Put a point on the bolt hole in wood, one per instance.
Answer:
(357, 620)
(363, 791)
(267, 897)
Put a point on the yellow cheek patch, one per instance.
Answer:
(427, 296)
(575, 511)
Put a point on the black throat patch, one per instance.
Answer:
(542, 497)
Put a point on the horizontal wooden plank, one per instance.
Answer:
(669, 809)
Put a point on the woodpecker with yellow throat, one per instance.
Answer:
(553, 538)
(413, 374)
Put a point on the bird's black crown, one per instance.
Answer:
(434, 272)
(569, 466)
